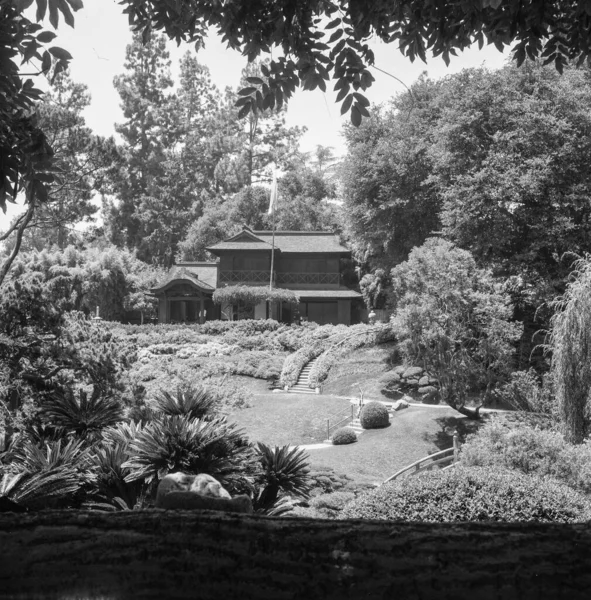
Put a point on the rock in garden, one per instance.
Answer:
(430, 394)
(190, 492)
(390, 377)
(413, 381)
(400, 404)
(423, 381)
(412, 372)
(399, 370)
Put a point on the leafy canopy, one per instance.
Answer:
(319, 40)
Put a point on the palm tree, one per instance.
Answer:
(179, 443)
(284, 472)
(54, 474)
(84, 416)
(194, 402)
(111, 490)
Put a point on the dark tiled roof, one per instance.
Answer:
(304, 241)
(300, 242)
(202, 274)
(341, 294)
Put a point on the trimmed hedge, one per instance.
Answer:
(374, 415)
(344, 435)
(320, 369)
(471, 494)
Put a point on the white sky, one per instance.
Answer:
(101, 34)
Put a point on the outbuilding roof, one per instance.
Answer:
(202, 275)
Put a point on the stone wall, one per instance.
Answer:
(204, 554)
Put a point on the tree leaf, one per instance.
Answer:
(247, 91)
(46, 36)
(60, 53)
(255, 80)
(65, 9)
(46, 62)
(41, 9)
(347, 104)
(22, 4)
(355, 116)
(244, 111)
(75, 4)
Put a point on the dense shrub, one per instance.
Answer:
(344, 435)
(531, 450)
(525, 392)
(474, 494)
(374, 415)
(320, 369)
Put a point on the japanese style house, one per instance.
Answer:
(307, 262)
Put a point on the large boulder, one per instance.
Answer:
(400, 404)
(412, 372)
(202, 491)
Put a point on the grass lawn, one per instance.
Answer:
(413, 433)
(280, 418)
(300, 419)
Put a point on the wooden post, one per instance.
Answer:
(456, 447)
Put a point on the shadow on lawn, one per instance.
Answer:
(443, 438)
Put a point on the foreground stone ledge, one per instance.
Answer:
(204, 554)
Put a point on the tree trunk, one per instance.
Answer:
(204, 554)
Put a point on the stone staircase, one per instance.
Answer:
(302, 385)
(355, 425)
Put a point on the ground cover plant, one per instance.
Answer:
(531, 450)
(471, 494)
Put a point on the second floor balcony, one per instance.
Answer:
(246, 277)
(262, 278)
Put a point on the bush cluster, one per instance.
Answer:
(344, 435)
(321, 368)
(471, 494)
(374, 415)
(530, 450)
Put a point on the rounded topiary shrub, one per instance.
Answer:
(344, 435)
(471, 494)
(374, 415)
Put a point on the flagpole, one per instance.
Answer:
(272, 254)
(272, 203)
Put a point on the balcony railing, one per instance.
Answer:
(312, 278)
(260, 277)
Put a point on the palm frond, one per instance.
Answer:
(286, 467)
(179, 443)
(189, 400)
(87, 414)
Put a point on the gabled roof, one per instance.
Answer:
(298, 242)
(304, 241)
(199, 274)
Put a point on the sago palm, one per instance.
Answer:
(179, 443)
(285, 471)
(55, 474)
(111, 491)
(188, 400)
(85, 416)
